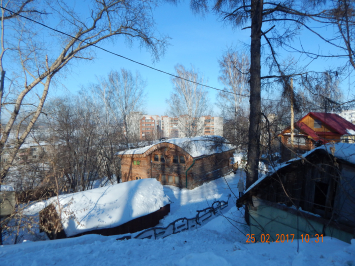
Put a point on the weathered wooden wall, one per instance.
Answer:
(321, 186)
(169, 173)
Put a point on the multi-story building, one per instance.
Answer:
(150, 127)
(155, 126)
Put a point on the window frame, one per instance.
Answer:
(163, 178)
(176, 180)
(317, 123)
(177, 159)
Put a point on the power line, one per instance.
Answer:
(113, 53)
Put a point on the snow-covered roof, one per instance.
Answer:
(110, 206)
(6, 188)
(343, 151)
(196, 146)
(27, 145)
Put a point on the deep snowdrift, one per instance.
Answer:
(110, 206)
(220, 242)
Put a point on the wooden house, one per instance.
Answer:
(181, 162)
(310, 195)
(315, 129)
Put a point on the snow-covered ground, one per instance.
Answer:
(220, 242)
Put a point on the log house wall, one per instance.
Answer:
(139, 166)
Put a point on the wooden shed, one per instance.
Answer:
(181, 162)
(310, 195)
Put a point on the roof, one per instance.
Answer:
(110, 206)
(6, 188)
(336, 122)
(343, 151)
(306, 129)
(196, 146)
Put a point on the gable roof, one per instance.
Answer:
(306, 129)
(343, 151)
(336, 122)
(196, 146)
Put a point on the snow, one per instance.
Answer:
(350, 131)
(222, 241)
(109, 206)
(344, 151)
(196, 146)
(238, 157)
(6, 188)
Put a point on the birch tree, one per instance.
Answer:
(188, 101)
(234, 69)
(123, 95)
(37, 63)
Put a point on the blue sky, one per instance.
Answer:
(195, 41)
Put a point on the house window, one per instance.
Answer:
(177, 180)
(297, 141)
(163, 178)
(178, 159)
(156, 158)
(301, 141)
(136, 162)
(162, 159)
(137, 178)
(317, 123)
(171, 179)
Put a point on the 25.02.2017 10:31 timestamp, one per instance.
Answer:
(282, 238)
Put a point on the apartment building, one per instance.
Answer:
(155, 126)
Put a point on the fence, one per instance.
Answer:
(182, 224)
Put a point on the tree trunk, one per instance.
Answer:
(292, 118)
(255, 90)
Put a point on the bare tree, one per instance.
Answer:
(36, 68)
(122, 93)
(234, 76)
(188, 101)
